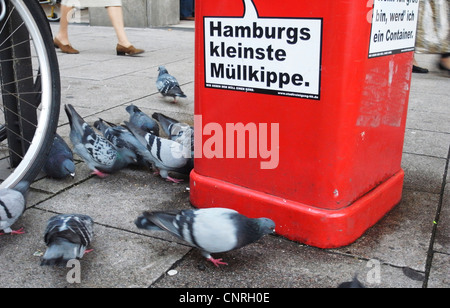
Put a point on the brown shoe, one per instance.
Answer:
(65, 48)
(130, 51)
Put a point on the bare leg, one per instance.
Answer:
(116, 16)
(63, 33)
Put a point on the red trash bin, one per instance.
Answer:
(300, 111)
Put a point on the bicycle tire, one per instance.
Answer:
(46, 90)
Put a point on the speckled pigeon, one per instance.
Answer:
(143, 121)
(67, 237)
(165, 155)
(59, 164)
(211, 230)
(121, 137)
(168, 85)
(100, 155)
(12, 206)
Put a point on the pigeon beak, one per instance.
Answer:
(72, 175)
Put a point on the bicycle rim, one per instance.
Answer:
(45, 94)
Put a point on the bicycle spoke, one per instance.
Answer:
(30, 91)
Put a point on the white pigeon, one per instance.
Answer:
(12, 206)
(176, 131)
(165, 155)
(211, 230)
(67, 237)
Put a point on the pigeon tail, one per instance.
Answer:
(75, 119)
(60, 252)
(23, 187)
(143, 223)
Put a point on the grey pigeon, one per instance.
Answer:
(121, 137)
(168, 85)
(12, 206)
(211, 230)
(143, 121)
(67, 237)
(100, 155)
(165, 155)
(176, 131)
(59, 164)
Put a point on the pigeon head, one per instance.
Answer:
(266, 226)
(127, 156)
(132, 109)
(69, 167)
(162, 70)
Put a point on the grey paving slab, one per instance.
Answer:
(402, 237)
(431, 121)
(426, 143)
(54, 186)
(274, 262)
(120, 198)
(442, 243)
(119, 259)
(439, 275)
(423, 173)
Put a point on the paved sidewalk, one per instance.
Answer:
(410, 246)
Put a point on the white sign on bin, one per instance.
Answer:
(278, 56)
(394, 24)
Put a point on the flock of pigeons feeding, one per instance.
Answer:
(139, 142)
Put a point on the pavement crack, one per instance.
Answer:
(431, 251)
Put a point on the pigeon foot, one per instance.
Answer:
(99, 174)
(176, 181)
(216, 262)
(17, 232)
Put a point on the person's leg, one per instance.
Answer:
(116, 16)
(444, 63)
(62, 37)
(63, 33)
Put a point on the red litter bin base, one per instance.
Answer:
(324, 85)
(300, 222)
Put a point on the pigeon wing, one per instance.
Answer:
(77, 229)
(165, 221)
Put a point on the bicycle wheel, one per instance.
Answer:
(30, 90)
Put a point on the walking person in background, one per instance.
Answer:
(115, 13)
(433, 31)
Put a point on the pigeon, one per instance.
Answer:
(143, 121)
(12, 206)
(59, 164)
(165, 155)
(211, 230)
(177, 131)
(168, 85)
(121, 137)
(100, 155)
(67, 237)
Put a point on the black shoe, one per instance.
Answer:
(420, 70)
